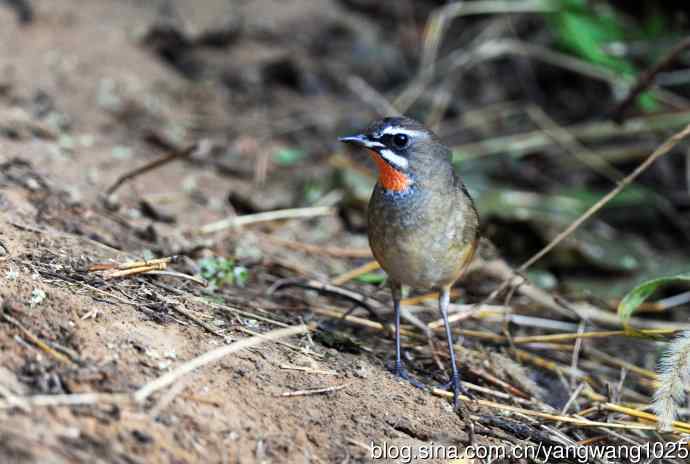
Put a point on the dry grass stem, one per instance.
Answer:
(663, 149)
(213, 356)
(182, 154)
(677, 426)
(221, 307)
(296, 349)
(268, 216)
(518, 144)
(546, 416)
(13, 400)
(646, 79)
(356, 272)
(150, 267)
(43, 346)
(439, 20)
(133, 271)
(75, 399)
(132, 264)
(315, 391)
(179, 275)
(371, 97)
(617, 362)
(179, 308)
(570, 143)
(585, 335)
(308, 370)
(334, 252)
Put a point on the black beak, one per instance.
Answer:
(359, 139)
(362, 140)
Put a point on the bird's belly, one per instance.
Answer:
(421, 258)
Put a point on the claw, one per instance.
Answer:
(400, 371)
(457, 388)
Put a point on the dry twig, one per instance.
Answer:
(148, 267)
(132, 264)
(663, 149)
(438, 23)
(335, 252)
(369, 304)
(647, 78)
(150, 167)
(308, 370)
(278, 215)
(75, 399)
(212, 356)
(315, 391)
(37, 341)
(356, 272)
(371, 97)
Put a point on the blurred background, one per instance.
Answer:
(533, 96)
(547, 105)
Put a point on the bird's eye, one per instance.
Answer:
(400, 141)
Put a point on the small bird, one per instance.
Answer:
(423, 226)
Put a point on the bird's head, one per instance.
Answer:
(404, 151)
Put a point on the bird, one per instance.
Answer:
(422, 223)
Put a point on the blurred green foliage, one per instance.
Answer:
(585, 30)
(288, 156)
(375, 278)
(219, 272)
(592, 29)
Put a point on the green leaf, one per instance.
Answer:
(639, 294)
(37, 297)
(647, 102)
(586, 32)
(586, 28)
(655, 25)
(288, 156)
(220, 272)
(372, 278)
(241, 275)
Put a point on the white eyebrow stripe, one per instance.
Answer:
(395, 160)
(408, 132)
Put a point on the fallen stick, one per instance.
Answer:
(646, 79)
(280, 214)
(212, 356)
(150, 167)
(663, 149)
(315, 391)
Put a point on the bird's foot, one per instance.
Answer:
(457, 388)
(399, 371)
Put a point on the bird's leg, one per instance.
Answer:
(399, 369)
(455, 384)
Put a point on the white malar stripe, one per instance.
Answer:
(409, 132)
(396, 160)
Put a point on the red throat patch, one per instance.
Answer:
(389, 177)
